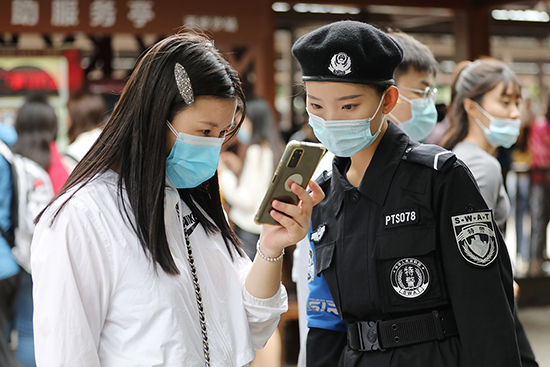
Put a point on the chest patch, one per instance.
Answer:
(401, 218)
(475, 237)
(410, 278)
(318, 234)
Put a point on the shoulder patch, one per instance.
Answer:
(324, 178)
(476, 238)
(430, 155)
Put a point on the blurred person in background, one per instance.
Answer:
(484, 116)
(415, 112)
(539, 202)
(520, 187)
(36, 125)
(244, 182)
(9, 269)
(87, 113)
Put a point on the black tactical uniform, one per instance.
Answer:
(415, 262)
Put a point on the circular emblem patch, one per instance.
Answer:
(340, 64)
(410, 278)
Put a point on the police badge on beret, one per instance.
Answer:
(476, 238)
(340, 64)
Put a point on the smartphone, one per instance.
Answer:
(298, 163)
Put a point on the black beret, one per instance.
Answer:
(350, 52)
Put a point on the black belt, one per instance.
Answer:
(367, 336)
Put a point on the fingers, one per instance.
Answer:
(295, 219)
(317, 194)
(290, 211)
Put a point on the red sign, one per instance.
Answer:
(220, 17)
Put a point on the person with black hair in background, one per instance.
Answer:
(134, 262)
(244, 182)
(37, 129)
(37, 126)
(415, 112)
(87, 113)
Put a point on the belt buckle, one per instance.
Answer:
(368, 336)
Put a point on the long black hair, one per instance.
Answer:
(133, 141)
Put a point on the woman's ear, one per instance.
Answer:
(390, 99)
(470, 107)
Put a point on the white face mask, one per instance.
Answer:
(502, 132)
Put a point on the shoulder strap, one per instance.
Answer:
(9, 236)
(6, 152)
(434, 156)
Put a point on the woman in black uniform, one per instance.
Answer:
(412, 256)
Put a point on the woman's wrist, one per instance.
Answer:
(266, 257)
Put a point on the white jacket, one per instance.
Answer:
(99, 302)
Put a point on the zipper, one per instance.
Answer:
(218, 334)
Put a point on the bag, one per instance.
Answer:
(32, 190)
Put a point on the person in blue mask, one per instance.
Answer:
(410, 252)
(484, 115)
(415, 112)
(134, 262)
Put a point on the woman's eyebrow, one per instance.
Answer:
(313, 97)
(348, 97)
(343, 98)
(213, 124)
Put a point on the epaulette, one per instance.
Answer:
(434, 156)
(324, 177)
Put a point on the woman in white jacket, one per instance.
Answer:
(134, 263)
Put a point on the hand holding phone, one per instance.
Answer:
(297, 164)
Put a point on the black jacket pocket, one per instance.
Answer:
(323, 256)
(408, 269)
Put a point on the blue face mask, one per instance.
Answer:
(345, 138)
(423, 118)
(501, 132)
(192, 160)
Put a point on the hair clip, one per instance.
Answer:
(184, 84)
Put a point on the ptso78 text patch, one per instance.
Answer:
(476, 237)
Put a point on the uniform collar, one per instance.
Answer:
(377, 179)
